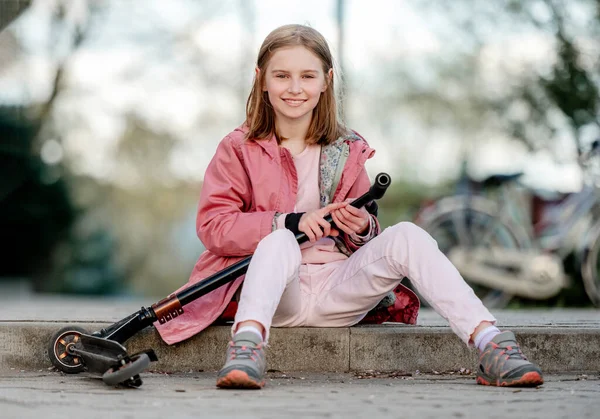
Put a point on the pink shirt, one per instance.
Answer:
(307, 168)
(308, 199)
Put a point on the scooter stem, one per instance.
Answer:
(172, 306)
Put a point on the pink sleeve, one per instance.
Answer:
(223, 224)
(361, 185)
(281, 221)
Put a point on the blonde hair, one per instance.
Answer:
(325, 126)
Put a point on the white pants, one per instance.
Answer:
(279, 291)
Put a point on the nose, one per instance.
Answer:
(295, 86)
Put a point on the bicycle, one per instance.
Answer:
(508, 241)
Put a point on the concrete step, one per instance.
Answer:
(381, 348)
(560, 341)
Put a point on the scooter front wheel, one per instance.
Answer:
(60, 350)
(127, 372)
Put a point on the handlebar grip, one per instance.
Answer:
(376, 191)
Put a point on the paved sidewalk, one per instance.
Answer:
(560, 341)
(52, 395)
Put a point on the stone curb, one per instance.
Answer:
(381, 348)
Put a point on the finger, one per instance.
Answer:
(332, 207)
(316, 228)
(333, 231)
(348, 219)
(357, 219)
(351, 227)
(308, 232)
(325, 225)
(336, 220)
(313, 229)
(353, 210)
(318, 232)
(340, 224)
(346, 228)
(345, 214)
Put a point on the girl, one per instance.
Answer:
(289, 165)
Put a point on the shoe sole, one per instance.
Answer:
(529, 379)
(240, 380)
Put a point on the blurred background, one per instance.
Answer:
(110, 111)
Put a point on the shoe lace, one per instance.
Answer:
(242, 351)
(514, 352)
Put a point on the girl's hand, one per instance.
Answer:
(350, 219)
(313, 223)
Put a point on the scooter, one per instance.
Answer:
(72, 349)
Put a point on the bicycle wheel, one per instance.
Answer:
(476, 225)
(589, 272)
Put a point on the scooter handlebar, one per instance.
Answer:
(376, 191)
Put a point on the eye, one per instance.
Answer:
(281, 76)
(308, 76)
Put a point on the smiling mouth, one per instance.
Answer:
(294, 102)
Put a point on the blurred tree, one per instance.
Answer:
(41, 221)
(572, 86)
(537, 99)
(524, 72)
(131, 140)
(10, 9)
(35, 208)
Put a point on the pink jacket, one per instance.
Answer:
(245, 184)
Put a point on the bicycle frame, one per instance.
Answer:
(561, 228)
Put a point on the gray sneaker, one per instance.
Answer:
(245, 363)
(503, 364)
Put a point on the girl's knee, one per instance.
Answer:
(282, 240)
(282, 235)
(412, 234)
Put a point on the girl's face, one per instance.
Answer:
(294, 80)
